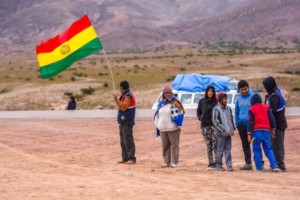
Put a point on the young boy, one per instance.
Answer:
(242, 106)
(224, 128)
(261, 121)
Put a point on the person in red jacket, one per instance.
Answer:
(260, 122)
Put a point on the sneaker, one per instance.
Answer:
(164, 165)
(211, 166)
(121, 162)
(246, 167)
(230, 169)
(130, 162)
(267, 169)
(276, 170)
(173, 165)
(282, 169)
(220, 169)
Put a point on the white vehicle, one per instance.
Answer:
(193, 82)
(190, 99)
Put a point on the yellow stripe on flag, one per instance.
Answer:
(65, 49)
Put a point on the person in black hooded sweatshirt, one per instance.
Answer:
(276, 102)
(204, 114)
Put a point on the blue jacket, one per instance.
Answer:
(242, 106)
(71, 105)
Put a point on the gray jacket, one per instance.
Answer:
(223, 121)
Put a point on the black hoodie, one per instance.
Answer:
(205, 107)
(274, 101)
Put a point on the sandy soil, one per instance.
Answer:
(76, 159)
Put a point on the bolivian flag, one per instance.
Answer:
(57, 54)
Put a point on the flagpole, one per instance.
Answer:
(112, 76)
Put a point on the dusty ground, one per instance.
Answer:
(76, 159)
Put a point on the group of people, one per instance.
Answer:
(262, 125)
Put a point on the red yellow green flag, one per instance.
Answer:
(76, 42)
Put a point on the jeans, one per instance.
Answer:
(127, 142)
(224, 145)
(262, 137)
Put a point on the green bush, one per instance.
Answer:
(296, 89)
(87, 91)
(4, 90)
(68, 94)
(78, 97)
(288, 72)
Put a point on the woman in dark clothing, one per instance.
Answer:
(71, 103)
(204, 114)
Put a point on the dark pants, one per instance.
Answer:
(127, 142)
(278, 148)
(246, 145)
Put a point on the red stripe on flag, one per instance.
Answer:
(51, 44)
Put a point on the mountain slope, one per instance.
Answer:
(269, 22)
(143, 24)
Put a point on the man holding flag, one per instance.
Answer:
(126, 117)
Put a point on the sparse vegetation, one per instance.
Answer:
(151, 70)
(87, 91)
(78, 97)
(68, 94)
(4, 90)
(296, 89)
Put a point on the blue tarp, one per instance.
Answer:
(198, 82)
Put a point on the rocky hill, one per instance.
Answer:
(143, 24)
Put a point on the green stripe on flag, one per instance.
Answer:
(55, 68)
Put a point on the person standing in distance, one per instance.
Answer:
(71, 103)
(126, 120)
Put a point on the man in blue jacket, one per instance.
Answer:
(242, 106)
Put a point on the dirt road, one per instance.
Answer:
(76, 159)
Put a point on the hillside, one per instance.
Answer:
(264, 23)
(141, 24)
